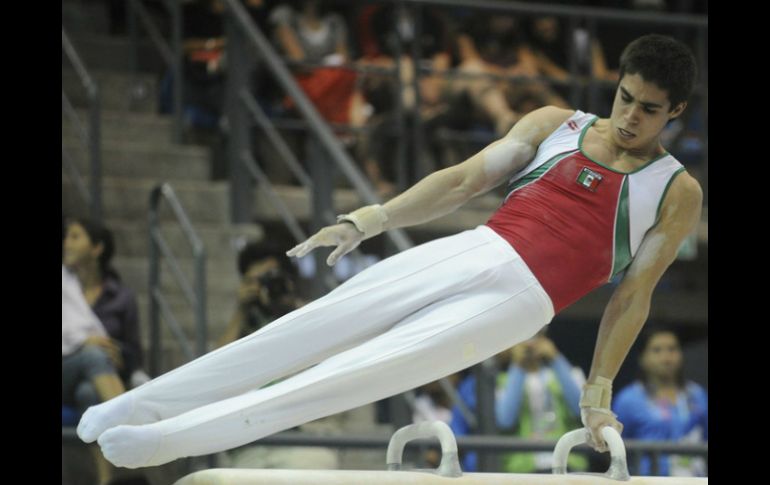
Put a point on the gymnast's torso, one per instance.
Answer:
(575, 221)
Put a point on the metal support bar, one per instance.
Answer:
(420, 170)
(77, 63)
(276, 140)
(95, 149)
(94, 135)
(322, 171)
(155, 35)
(534, 8)
(175, 8)
(321, 130)
(69, 110)
(154, 282)
(264, 183)
(401, 141)
(238, 123)
(501, 444)
(173, 323)
(179, 275)
(485, 409)
(75, 176)
(196, 297)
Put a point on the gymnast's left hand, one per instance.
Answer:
(344, 235)
(594, 419)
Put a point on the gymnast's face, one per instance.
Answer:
(639, 114)
(78, 248)
(662, 358)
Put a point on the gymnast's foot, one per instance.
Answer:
(119, 410)
(131, 446)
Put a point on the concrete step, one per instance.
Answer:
(124, 126)
(137, 159)
(99, 50)
(220, 242)
(297, 199)
(219, 311)
(85, 17)
(128, 199)
(682, 307)
(220, 280)
(119, 91)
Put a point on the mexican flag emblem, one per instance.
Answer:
(589, 179)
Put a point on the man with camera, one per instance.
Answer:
(266, 291)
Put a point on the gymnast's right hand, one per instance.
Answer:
(345, 236)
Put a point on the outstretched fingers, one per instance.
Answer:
(343, 249)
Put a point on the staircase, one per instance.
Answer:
(137, 154)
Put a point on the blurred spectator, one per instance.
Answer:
(662, 406)
(265, 294)
(88, 251)
(204, 66)
(311, 35)
(553, 48)
(266, 291)
(382, 31)
(538, 398)
(98, 346)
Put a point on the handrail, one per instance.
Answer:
(465, 443)
(92, 141)
(276, 140)
(171, 54)
(320, 129)
(195, 295)
(77, 179)
(597, 13)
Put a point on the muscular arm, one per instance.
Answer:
(629, 306)
(444, 191)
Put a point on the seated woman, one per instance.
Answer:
(88, 251)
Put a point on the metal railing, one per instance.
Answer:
(325, 153)
(635, 449)
(90, 137)
(172, 54)
(243, 28)
(321, 133)
(194, 293)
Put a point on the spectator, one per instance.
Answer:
(266, 291)
(309, 35)
(88, 251)
(663, 406)
(538, 398)
(265, 294)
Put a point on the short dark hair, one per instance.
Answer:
(662, 60)
(256, 251)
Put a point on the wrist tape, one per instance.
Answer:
(369, 220)
(597, 394)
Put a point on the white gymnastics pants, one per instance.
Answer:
(412, 318)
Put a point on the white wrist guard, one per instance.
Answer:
(597, 394)
(369, 220)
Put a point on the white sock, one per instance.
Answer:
(121, 409)
(130, 446)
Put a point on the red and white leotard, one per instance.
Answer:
(575, 222)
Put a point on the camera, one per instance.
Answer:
(276, 283)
